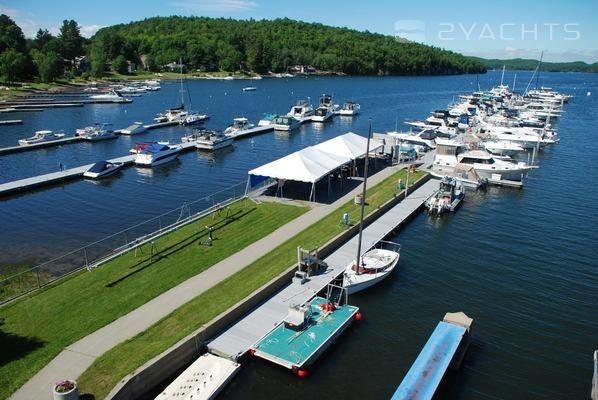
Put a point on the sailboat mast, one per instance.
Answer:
(514, 80)
(182, 94)
(365, 179)
(502, 77)
(539, 66)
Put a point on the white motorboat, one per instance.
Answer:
(267, 119)
(40, 137)
(134, 129)
(349, 109)
(212, 140)
(102, 169)
(97, 132)
(249, 89)
(193, 118)
(153, 154)
(447, 198)
(142, 145)
(285, 123)
(375, 265)
(322, 114)
(426, 138)
(503, 148)
(452, 156)
(301, 110)
(238, 125)
(111, 97)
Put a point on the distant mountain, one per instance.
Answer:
(528, 64)
(270, 45)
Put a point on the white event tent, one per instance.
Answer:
(314, 163)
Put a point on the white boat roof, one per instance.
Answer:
(476, 154)
(447, 142)
(240, 119)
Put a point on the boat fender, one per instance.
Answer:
(358, 316)
(302, 373)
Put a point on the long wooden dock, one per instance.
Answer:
(23, 185)
(239, 338)
(35, 146)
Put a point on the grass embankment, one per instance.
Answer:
(108, 369)
(34, 330)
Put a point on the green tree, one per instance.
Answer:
(12, 65)
(42, 38)
(71, 41)
(11, 36)
(49, 65)
(119, 64)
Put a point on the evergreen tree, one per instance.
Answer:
(71, 41)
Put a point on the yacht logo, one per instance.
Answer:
(410, 30)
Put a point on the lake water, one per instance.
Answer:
(522, 263)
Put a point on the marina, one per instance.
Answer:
(367, 303)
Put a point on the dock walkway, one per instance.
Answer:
(71, 173)
(77, 357)
(35, 146)
(239, 338)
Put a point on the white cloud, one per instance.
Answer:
(88, 30)
(24, 21)
(222, 6)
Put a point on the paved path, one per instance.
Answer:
(77, 357)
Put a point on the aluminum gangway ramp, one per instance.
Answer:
(238, 339)
(444, 348)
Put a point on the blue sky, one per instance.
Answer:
(565, 30)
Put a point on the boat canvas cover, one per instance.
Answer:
(99, 166)
(155, 148)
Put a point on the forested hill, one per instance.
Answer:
(270, 45)
(528, 65)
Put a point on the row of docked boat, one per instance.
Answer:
(486, 136)
(303, 111)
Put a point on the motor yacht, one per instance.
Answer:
(503, 148)
(238, 125)
(267, 119)
(97, 132)
(301, 110)
(102, 169)
(211, 140)
(153, 154)
(40, 137)
(349, 108)
(285, 123)
(451, 156)
(322, 114)
(447, 198)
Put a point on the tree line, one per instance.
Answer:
(522, 64)
(209, 44)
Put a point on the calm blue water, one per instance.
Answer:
(522, 263)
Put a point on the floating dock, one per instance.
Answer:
(35, 146)
(445, 348)
(22, 185)
(11, 122)
(298, 349)
(203, 380)
(240, 337)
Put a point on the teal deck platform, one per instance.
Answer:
(296, 349)
(444, 349)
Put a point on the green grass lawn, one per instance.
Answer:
(108, 369)
(34, 330)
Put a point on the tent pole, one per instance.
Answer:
(248, 186)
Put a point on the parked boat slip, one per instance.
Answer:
(239, 338)
(22, 185)
(35, 146)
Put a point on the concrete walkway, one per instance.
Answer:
(77, 357)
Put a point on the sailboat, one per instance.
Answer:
(179, 114)
(376, 264)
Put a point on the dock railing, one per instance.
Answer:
(94, 254)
